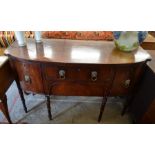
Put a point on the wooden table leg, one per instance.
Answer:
(21, 95)
(129, 100)
(49, 107)
(4, 108)
(104, 100)
(106, 94)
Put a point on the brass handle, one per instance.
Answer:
(93, 75)
(62, 74)
(127, 83)
(27, 78)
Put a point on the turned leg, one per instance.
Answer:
(49, 107)
(21, 95)
(107, 93)
(4, 108)
(127, 104)
(124, 109)
(104, 100)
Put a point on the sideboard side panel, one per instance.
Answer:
(29, 75)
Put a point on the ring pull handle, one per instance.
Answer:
(127, 83)
(93, 75)
(61, 74)
(27, 78)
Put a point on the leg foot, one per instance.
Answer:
(127, 104)
(21, 95)
(102, 108)
(4, 108)
(124, 110)
(49, 107)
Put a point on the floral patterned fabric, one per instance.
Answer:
(79, 35)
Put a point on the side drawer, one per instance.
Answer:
(29, 75)
(126, 79)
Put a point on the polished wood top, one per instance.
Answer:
(2, 51)
(3, 60)
(75, 51)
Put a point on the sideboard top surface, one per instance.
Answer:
(75, 51)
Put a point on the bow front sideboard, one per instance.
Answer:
(77, 68)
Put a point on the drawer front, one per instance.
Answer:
(126, 79)
(29, 75)
(87, 73)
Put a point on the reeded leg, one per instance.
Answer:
(21, 95)
(4, 108)
(49, 107)
(102, 108)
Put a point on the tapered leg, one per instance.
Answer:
(102, 108)
(21, 95)
(124, 110)
(4, 108)
(49, 107)
(126, 106)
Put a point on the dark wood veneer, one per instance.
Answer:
(33, 71)
(77, 68)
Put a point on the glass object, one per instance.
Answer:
(38, 36)
(129, 40)
(20, 38)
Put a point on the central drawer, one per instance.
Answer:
(87, 73)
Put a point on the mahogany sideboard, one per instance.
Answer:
(77, 68)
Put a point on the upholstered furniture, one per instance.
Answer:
(78, 35)
(77, 68)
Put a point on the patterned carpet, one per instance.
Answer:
(65, 110)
